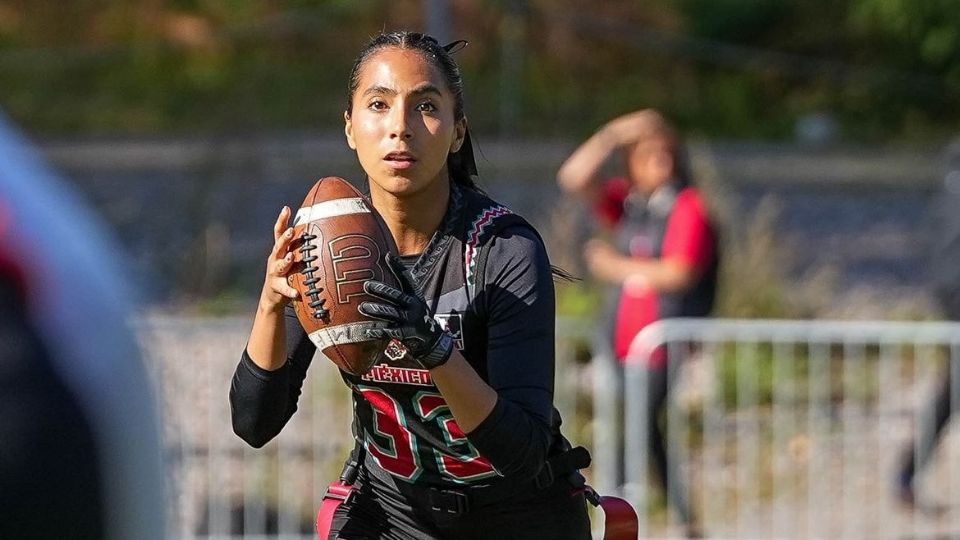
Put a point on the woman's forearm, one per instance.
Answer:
(267, 346)
(668, 275)
(470, 398)
(580, 171)
(515, 441)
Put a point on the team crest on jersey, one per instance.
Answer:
(450, 322)
(395, 350)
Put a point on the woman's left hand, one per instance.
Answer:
(605, 262)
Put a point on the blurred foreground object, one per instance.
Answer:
(945, 277)
(80, 453)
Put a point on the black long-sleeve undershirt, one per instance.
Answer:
(519, 302)
(262, 401)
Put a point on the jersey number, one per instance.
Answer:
(399, 453)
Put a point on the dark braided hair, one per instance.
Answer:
(461, 164)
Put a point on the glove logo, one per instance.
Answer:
(452, 324)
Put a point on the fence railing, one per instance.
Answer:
(784, 429)
(219, 487)
(775, 429)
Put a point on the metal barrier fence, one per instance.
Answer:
(785, 429)
(219, 487)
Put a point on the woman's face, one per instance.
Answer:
(650, 163)
(401, 122)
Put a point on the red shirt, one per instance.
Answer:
(688, 236)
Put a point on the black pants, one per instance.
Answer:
(376, 511)
(666, 473)
(658, 384)
(932, 420)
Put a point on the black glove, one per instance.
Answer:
(411, 322)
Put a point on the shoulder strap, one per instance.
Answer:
(339, 492)
(349, 473)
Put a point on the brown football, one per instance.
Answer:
(339, 243)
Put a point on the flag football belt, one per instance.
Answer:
(620, 518)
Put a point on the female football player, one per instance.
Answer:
(456, 433)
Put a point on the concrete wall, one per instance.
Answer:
(196, 212)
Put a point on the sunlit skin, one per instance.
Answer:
(402, 126)
(650, 164)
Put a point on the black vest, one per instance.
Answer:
(646, 221)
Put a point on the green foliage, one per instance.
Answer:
(755, 256)
(735, 21)
(885, 69)
(798, 374)
(745, 375)
(576, 300)
(914, 33)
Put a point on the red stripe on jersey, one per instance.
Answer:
(473, 237)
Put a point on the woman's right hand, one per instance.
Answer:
(580, 173)
(632, 127)
(276, 291)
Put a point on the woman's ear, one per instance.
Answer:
(460, 132)
(348, 130)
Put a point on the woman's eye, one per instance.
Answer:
(377, 105)
(426, 106)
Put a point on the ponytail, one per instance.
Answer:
(462, 166)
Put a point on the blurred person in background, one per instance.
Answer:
(663, 256)
(945, 279)
(80, 453)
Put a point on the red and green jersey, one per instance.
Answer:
(486, 277)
